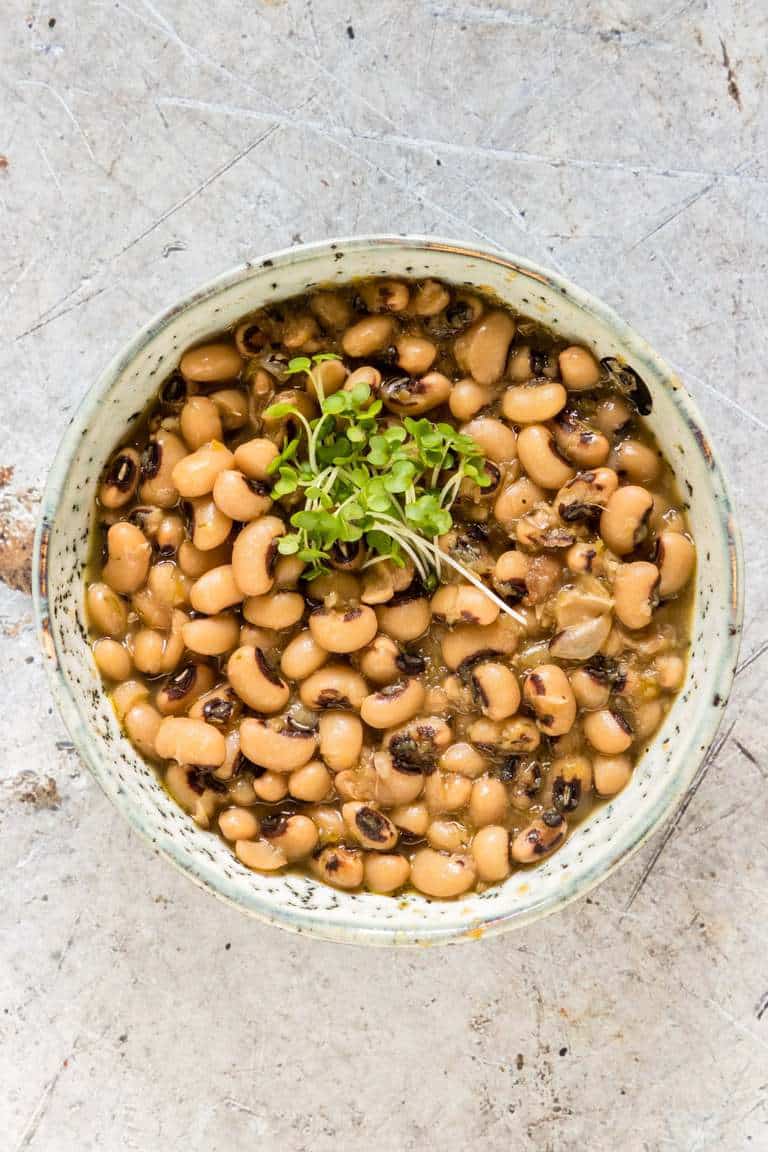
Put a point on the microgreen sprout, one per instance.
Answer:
(356, 477)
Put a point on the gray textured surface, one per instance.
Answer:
(623, 142)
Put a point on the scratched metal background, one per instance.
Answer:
(146, 146)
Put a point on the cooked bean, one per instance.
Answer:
(636, 462)
(406, 620)
(163, 452)
(382, 581)
(263, 638)
(194, 563)
(521, 365)
(127, 694)
(584, 497)
(275, 745)
(183, 688)
(490, 851)
(287, 572)
(516, 500)
(333, 686)
(489, 802)
(635, 593)
(506, 737)
(463, 759)
(260, 855)
(112, 659)
(238, 824)
(121, 479)
(646, 718)
(409, 397)
(343, 631)
(211, 526)
(623, 524)
(330, 374)
(393, 704)
(411, 818)
(481, 351)
(437, 874)
(495, 689)
(670, 672)
(385, 872)
(675, 558)
(466, 641)
(548, 692)
(613, 414)
(366, 374)
(232, 406)
(607, 731)
(271, 787)
(571, 783)
(215, 591)
(255, 682)
(311, 783)
(447, 792)
(142, 723)
(578, 442)
(334, 588)
(106, 611)
(509, 575)
(497, 441)
(368, 336)
(212, 635)
(370, 827)
(196, 474)
(328, 821)
(331, 309)
(393, 786)
(129, 556)
(541, 837)
(220, 705)
(299, 332)
(276, 610)
(467, 398)
(463, 603)
(200, 422)
(591, 691)
(447, 835)
(254, 457)
(254, 553)
(379, 660)
(611, 773)
(211, 362)
(339, 865)
(533, 403)
(540, 458)
(579, 368)
(296, 835)
(583, 558)
(302, 656)
(415, 354)
(429, 298)
(190, 742)
(251, 336)
(385, 295)
(157, 652)
(239, 497)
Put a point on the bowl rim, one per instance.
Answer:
(578, 885)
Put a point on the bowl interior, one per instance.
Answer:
(295, 901)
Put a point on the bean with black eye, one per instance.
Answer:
(343, 631)
(255, 681)
(406, 620)
(232, 407)
(509, 575)
(495, 690)
(675, 557)
(370, 827)
(107, 612)
(385, 295)
(183, 688)
(333, 686)
(121, 479)
(442, 874)
(368, 336)
(239, 497)
(394, 704)
(429, 298)
(211, 528)
(160, 457)
(497, 441)
(339, 865)
(591, 692)
(578, 368)
(254, 553)
(408, 397)
(547, 691)
(585, 496)
(516, 500)
(463, 759)
(255, 456)
(607, 731)
(481, 350)
(540, 458)
(636, 462)
(275, 745)
(613, 414)
(624, 521)
(539, 838)
(294, 835)
(276, 610)
(468, 397)
(331, 309)
(578, 441)
(220, 706)
(571, 784)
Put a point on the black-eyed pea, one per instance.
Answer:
(142, 723)
(240, 788)
(591, 691)
(406, 620)
(260, 855)
(393, 704)
(509, 574)
(341, 739)
(210, 525)
(170, 534)
(370, 827)
(385, 295)
(211, 362)
(255, 456)
(490, 851)
(168, 584)
(200, 422)
(112, 659)
(533, 403)
(636, 462)
(542, 836)
(378, 662)
(585, 558)
(185, 785)
(121, 479)
(339, 865)
(163, 452)
(607, 731)
(215, 590)
(518, 735)
(343, 630)
(624, 521)
(367, 336)
(190, 742)
(183, 688)
(355, 784)
(675, 558)
(463, 603)
(107, 612)
(330, 375)
(295, 835)
(579, 442)
(611, 774)
(412, 819)
(127, 694)
(466, 641)
(312, 783)
(276, 745)
(239, 497)
(613, 414)
(578, 368)
(521, 365)
(153, 613)
(333, 686)
(441, 874)
(547, 691)
(446, 835)
(467, 398)
(495, 690)
(328, 821)
(271, 787)
(220, 706)
(302, 656)
(540, 458)
(238, 824)
(331, 309)
(670, 672)
(481, 350)
(571, 784)
(232, 407)
(517, 499)
(275, 610)
(635, 593)
(646, 718)
(447, 792)
(664, 517)
(385, 872)
(488, 802)
(412, 397)
(193, 563)
(366, 374)
(287, 572)
(212, 635)
(393, 787)
(233, 762)
(497, 441)
(415, 354)
(463, 759)
(264, 638)
(255, 681)
(129, 557)
(429, 298)
(334, 589)
(196, 474)
(254, 553)
(156, 652)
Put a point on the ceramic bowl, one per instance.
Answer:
(296, 902)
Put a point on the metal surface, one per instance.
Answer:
(148, 148)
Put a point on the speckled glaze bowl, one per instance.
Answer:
(297, 902)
